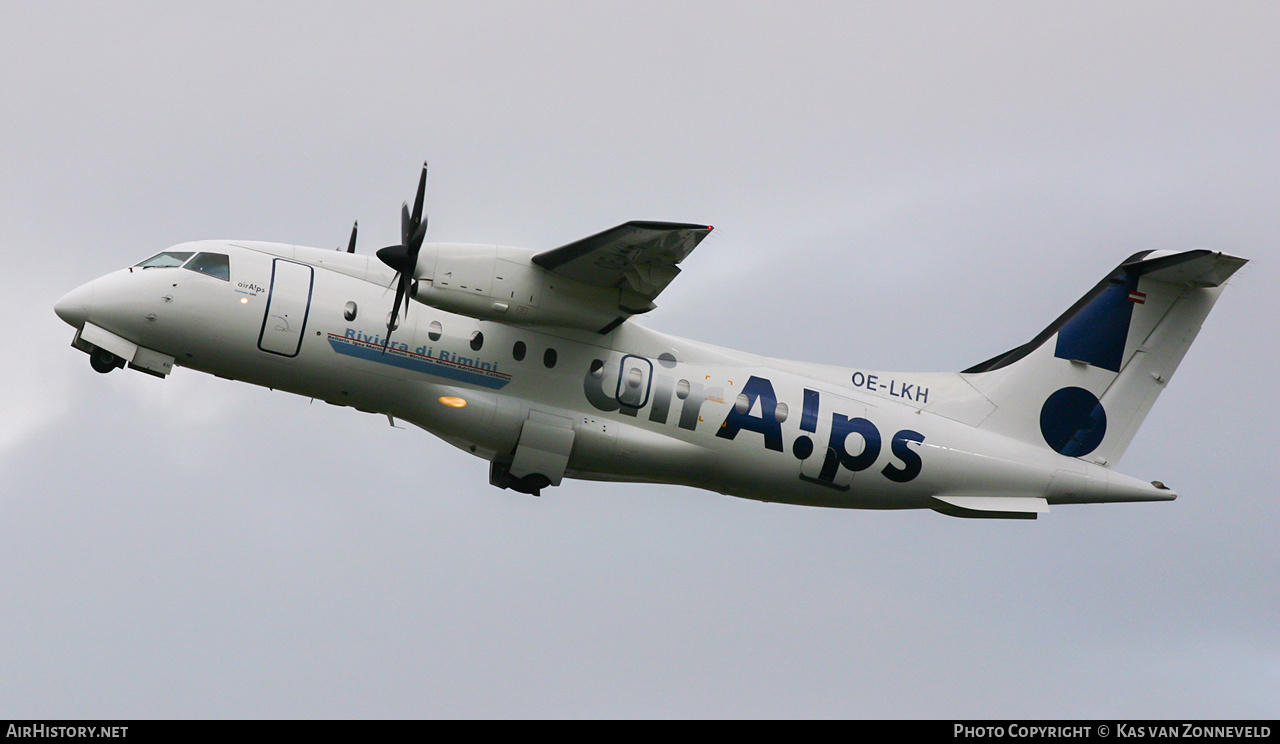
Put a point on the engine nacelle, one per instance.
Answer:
(492, 282)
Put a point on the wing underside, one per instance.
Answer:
(637, 258)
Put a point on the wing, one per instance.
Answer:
(637, 258)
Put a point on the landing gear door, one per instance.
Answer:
(634, 381)
(287, 307)
(546, 441)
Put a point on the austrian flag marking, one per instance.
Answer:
(1138, 297)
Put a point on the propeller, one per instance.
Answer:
(403, 258)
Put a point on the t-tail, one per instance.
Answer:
(1084, 385)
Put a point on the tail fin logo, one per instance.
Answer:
(1096, 333)
(1073, 422)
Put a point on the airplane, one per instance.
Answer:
(534, 362)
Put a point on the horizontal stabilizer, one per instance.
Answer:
(1192, 268)
(1198, 268)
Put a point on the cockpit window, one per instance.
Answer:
(214, 264)
(165, 260)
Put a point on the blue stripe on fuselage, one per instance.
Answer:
(404, 359)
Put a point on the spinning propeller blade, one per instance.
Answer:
(403, 258)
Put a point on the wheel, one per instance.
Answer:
(104, 361)
(533, 484)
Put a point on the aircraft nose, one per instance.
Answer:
(74, 305)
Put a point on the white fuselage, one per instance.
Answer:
(642, 406)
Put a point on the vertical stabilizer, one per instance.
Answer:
(1083, 386)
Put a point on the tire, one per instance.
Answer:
(104, 361)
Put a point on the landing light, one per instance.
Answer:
(244, 300)
(452, 401)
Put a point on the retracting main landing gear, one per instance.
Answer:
(532, 484)
(104, 361)
(540, 457)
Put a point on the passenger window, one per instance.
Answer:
(549, 358)
(434, 331)
(216, 265)
(477, 340)
(165, 260)
(518, 351)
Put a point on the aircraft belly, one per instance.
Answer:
(783, 481)
(641, 454)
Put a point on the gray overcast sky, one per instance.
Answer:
(894, 185)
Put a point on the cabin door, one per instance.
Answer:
(287, 308)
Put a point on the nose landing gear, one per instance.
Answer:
(104, 361)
